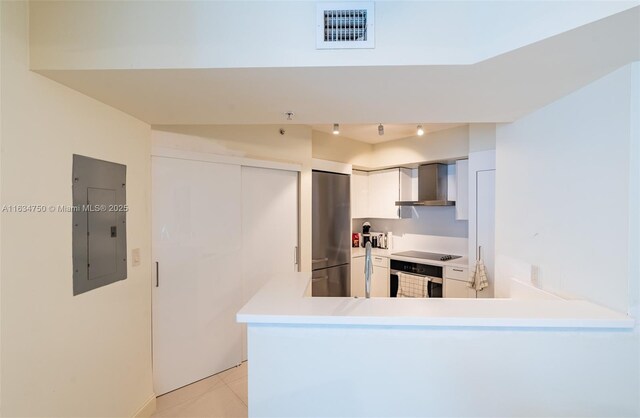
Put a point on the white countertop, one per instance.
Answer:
(282, 301)
(359, 252)
(458, 262)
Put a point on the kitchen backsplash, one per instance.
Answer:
(430, 229)
(432, 243)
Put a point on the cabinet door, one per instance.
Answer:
(384, 191)
(456, 289)
(357, 277)
(359, 194)
(196, 237)
(485, 225)
(379, 279)
(380, 282)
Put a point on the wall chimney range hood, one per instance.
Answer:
(432, 187)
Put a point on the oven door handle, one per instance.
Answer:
(437, 280)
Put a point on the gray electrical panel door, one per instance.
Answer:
(99, 223)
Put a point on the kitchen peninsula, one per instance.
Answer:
(431, 357)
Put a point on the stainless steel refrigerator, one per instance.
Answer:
(331, 234)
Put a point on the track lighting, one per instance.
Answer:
(420, 131)
(380, 129)
(336, 129)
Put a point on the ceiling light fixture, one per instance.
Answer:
(289, 115)
(420, 131)
(380, 129)
(336, 129)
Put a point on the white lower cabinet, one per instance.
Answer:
(379, 277)
(455, 283)
(357, 276)
(457, 289)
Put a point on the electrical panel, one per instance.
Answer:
(99, 223)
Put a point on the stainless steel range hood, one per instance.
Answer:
(432, 187)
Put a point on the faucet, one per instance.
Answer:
(368, 269)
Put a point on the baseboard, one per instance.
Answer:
(147, 409)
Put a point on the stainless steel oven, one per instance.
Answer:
(432, 274)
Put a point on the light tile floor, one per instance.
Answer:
(222, 395)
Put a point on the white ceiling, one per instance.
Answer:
(500, 89)
(369, 132)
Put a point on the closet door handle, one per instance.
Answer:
(157, 274)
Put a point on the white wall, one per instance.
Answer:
(252, 141)
(345, 150)
(65, 355)
(432, 229)
(75, 35)
(563, 191)
(361, 371)
(482, 137)
(448, 144)
(433, 220)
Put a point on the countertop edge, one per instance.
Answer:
(462, 262)
(282, 301)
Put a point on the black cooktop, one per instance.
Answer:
(427, 256)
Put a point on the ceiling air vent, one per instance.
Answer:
(345, 25)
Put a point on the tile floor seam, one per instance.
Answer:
(161, 413)
(236, 395)
(179, 403)
(186, 401)
(189, 399)
(223, 382)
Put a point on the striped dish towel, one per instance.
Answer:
(411, 286)
(479, 280)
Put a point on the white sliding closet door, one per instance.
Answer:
(269, 228)
(197, 237)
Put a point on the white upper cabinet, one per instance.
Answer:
(374, 194)
(462, 190)
(384, 190)
(359, 194)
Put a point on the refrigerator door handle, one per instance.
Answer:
(319, 260)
